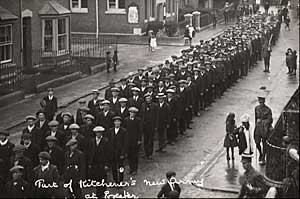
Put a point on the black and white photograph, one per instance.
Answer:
(149, 99)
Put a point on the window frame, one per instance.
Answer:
(56, 35)
(116, 10)
(8, 44)
(79, 9)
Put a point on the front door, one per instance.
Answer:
(27, 56)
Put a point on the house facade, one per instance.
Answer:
(118, 16)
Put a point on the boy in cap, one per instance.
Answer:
(75, 135)
(6, 151)
(108, 94)
(19, 159)
(104, 118)
(31, 149)
(32, 129)
(124, 91)
(49, 104)
(64, 126)
(79, 116)
(122, 110)
(133, 125)
(114, 100)
(87, 128)
(42, 125)
(17, 187)
(118, 138)
(61, 138)
(253, 183)
(163, 121)
(149, 111)
(263, 124)
(98, 159)
(56, 153)
(74, 167)
(47, 173)
(169, 186)
(136, 100)
(94, 103)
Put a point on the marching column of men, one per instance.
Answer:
(159, 102)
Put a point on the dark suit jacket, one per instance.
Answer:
(114, 106)
(32, 153)
(182, 102)
(163, 115)
(166, 189)
(134, 130)
(124, 114)
(57, 157)
(105, 121)
(173, 114)
(102, 152)
(149, 117)
(75, 166)
(82, 142)
(131, 102)
(124, 92)
(37, 136)
(87, 131)
(20, 190)
(118, 142)
(6, 151)
(50, 105)
(42, 131)
(66, 132)
(26, 163)
(108, 94)
(93, 107)
(61, 138)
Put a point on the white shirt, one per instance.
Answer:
(196, 77)
(46, 166)
(65, 126)
(114, 99)
(27, 145)
(143, 88)
(53, 133)
(30, 128)
(105, 113)
(98, 140)
(42, 123)
(95, 101)
(50, 97)
(161, 104)
(181, 89)
(123, 109)
(135, 98)
(160, 89)
(2, 143)
(116, 130)
(249, 140)
(123, 87)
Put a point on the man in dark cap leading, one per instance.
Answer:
(252, 182)
(56, 153)
(49, 104)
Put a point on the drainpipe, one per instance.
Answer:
(97, 19)
(21, 32)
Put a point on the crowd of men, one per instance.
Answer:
(159, 101)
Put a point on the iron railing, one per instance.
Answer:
(10, 78)
(84, 45)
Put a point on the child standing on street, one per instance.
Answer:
(153, 43)
(230, 140)
(115, 60)
(108, 60)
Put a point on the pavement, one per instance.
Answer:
(197, 156)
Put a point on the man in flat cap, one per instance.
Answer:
(252, 182)
(172, 131)
(133, 125)
(56, 153)
(108, 94)
(87, 128)
(45, 173)
(122, 110)
(263, 124)
(79, 116)
(136, 100)
(149, 116)
(43, 127)
(139, 77)
(104, 118)
(163, 121)
(61, 138)
(74, 167)
(93, 104)
(182, 107)
(6, 151)
(64, 126)
(118, 140)
(98, 158)
(32, 129)
(17, 187)
(114, 100)
(169, 186)
(19, 159)
(75, 135)
(31, 149)
(49, 104)
(124, 90)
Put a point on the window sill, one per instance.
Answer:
(5, 61)
(117, 12)
(79, 10)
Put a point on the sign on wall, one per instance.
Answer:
(133, 14)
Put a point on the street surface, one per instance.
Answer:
(193, 153)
